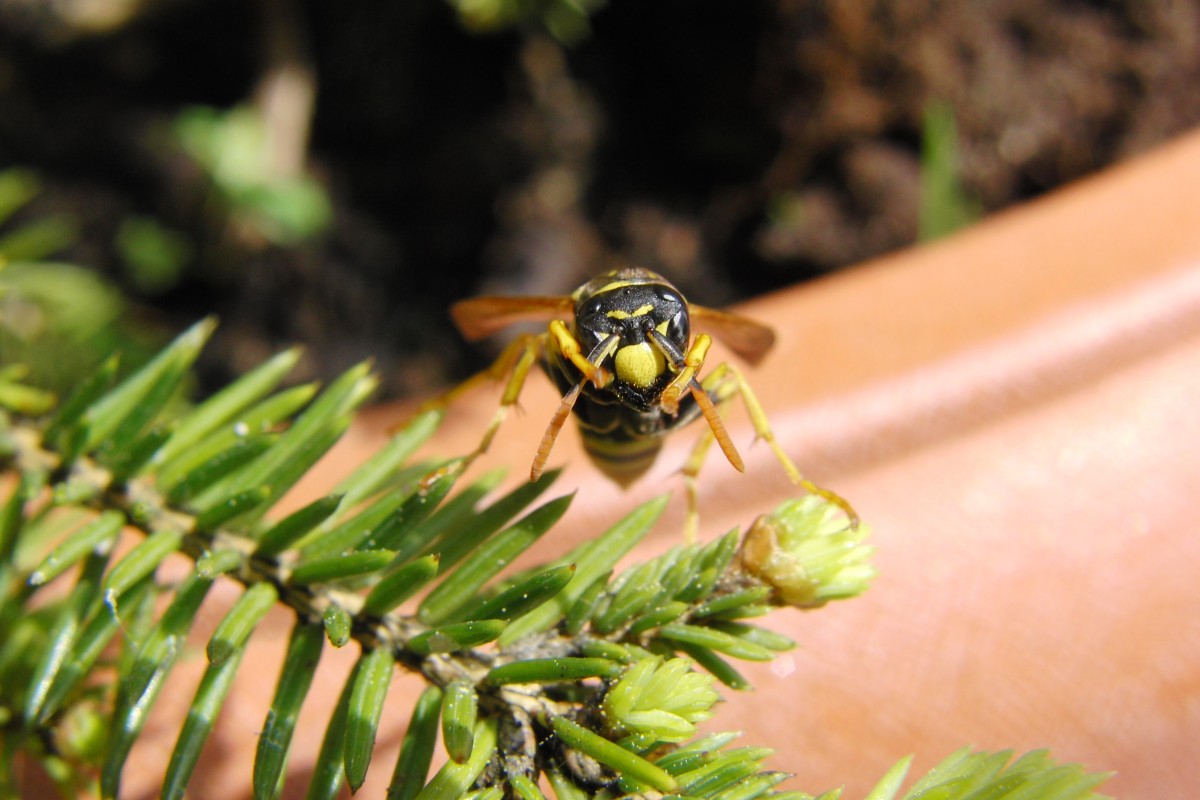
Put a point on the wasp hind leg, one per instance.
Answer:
(723, 384)
(515, 361)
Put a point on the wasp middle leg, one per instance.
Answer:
(686, 368)
(515, 361)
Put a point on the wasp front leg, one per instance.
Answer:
(591, 370)
(685, 369)
(589, 365)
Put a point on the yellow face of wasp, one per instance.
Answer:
(639, 364)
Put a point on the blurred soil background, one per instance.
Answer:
(336, 174)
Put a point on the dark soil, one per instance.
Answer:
(736, 147)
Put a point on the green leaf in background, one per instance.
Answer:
(232, 148)
(486, 562)
(201, 717)
(416, 751)
(453, 779)
(233, 631)
(293, 527)
(568, 21)
(395, 588)
(552, 670)
(295, 678)
(457, 636)
(945, 205)
(224, 407)
(364, 712)
(613, 755)
(338, 625)
(63, 321)
(460, 707)
(154, 256)
(17, 187)
(142, 682)
(38, 240)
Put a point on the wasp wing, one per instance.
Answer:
(749, 339)
(480, 317)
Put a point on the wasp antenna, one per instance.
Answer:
(716, 425)
(556, 423)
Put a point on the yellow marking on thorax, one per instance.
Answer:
(608, 287)
(640, 364)
(640, 311)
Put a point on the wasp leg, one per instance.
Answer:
(685, 374)
(556, 423)
(588, 365)
(524, 346)
(515, 361)
(591, 369)
(724, 383)
(685, 368)
(762, 428)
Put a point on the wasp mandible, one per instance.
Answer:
(621, 350)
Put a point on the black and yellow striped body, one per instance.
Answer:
(621, 351)
(640, 324)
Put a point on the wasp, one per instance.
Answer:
(621, 350)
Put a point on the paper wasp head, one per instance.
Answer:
(636, 326)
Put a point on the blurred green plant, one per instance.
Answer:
(231, 147)
(154, 256)
(568, 21)
(565, 677)
(37, 239)
(56, 319)
(945, 205)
